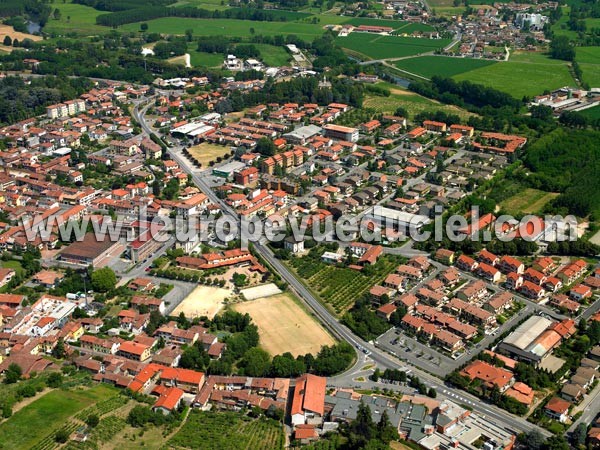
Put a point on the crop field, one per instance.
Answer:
(529, 201)
(520, 78)
(228, 431)
(428, 66)
(283, 326)
(339, 287)
(35, 424)
(7, 30)
(229, 27)
(375, 46)
(75, 18)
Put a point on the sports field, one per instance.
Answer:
(205, 152)
(375, 46)
(41, 418)
(529, 201)
(284, 326)
(202, 301)
(228, 27)
(521, 78)
(429, 66)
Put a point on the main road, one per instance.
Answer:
(378, 356)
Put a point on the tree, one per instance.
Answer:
(189, 35)
(61, 436)
(55, 380)
(59, 351)
(256, 362)
(92, 420)
(7, 41)
(56, 14)
(432, 393)
(265, 147)
(534, 440)
(561, 48)
(385, 430)
(12, 374)
(104, 280)
(143, 27)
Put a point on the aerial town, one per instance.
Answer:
(299, 224)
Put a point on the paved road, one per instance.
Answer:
(378, 356)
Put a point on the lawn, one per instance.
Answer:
(520, 78)
(529, 201)
(429, 66)
(41, 418)
(75, 19)
(205, 153)
(229, 27)
(375, 46)
(284, 326)
(591, 74)
(12, 264)
(228, 431)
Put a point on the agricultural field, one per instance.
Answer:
(521, 78)
(374, 46)
(7, 30)
(229, 27)
(428, 66)
(228, 431)
(205, 153)
(284, 326)
(43, 417)
(75, 18)
(528, 201)
(204, 59)
(338, 288)
(272, 55)
(591, 113)
(413, 103)
(589, 55)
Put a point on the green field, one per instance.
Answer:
(75, 19)
(413, 103)
(591, 113)
(590, 55)
(229, 27)
(228, 431)
(374, 46)
(12, 264)
(428, 66)
(528, 201)
(521, 78)
(272, 55)
(41, 418)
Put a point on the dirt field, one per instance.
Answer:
(206, 153)
(7, 30)
(284, 326)
(203, 301)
